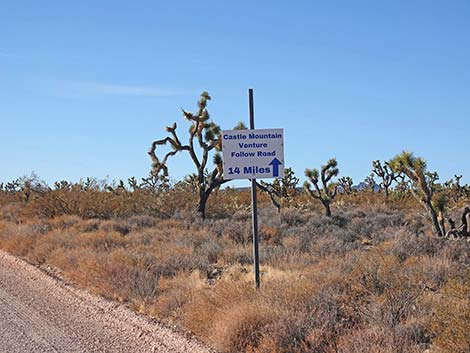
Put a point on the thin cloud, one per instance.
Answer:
(75, 88)
(114, 89)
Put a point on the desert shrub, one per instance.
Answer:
(138, 222)
(431, 271)
(363, 280)
(56, 240)
(125, 276)
(319, 225)
(451, 322)
(175, 293)
(240, 327)
(314, 327)
(241, 215)
(407, 245)
(65, 222)
(237, 232)
(10, 212)
(269, 216)
(240, 254)
(100, 241)
(339, 220)
(324, 246)
(270, 235)
(377, 339)
(84, 203)
(70, 260)
(374, 224)
(293, 217)
(209, 248)
(291, 311)
(90, 225)
(19, 239)
(413, 334)
(288, 334)
(274, 255)
(456, 251)
(390, 290)
(188, 219)
(120, 226)
(182, 259)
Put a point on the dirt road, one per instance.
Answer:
(41, 314)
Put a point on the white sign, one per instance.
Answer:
(253, 154)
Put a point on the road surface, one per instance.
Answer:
(39, 313)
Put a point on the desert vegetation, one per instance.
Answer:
(372, 277)
(381, 268)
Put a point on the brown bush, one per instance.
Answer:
(176, 293)
(240, 328)
(451, 323)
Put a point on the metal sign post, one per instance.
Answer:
(251, 154)
(254, 204)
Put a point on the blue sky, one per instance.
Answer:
(86, 86)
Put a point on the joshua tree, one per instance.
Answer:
(346, 185)
(204, 134)
(432, 178)
(455, 188)
(369, 182)
(281, 188)
(327, 192)
(385, 173)
(152, 183)
(11, 187)
(415, 169)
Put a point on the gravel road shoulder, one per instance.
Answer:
(39, 313)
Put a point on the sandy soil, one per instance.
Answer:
(39, 313)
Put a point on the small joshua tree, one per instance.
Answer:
(457, 190)
(153, 183)
(324, 191)
(386, 174)
(281, 189)
(203, 134)
(369, 182)
(432, 178)
(422, 183)
(346, 185)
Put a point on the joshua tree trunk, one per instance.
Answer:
(386, 192)
(441, 219)
(201, 207)
(426, 201)
(327, 209)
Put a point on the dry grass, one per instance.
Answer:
(367, 279)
